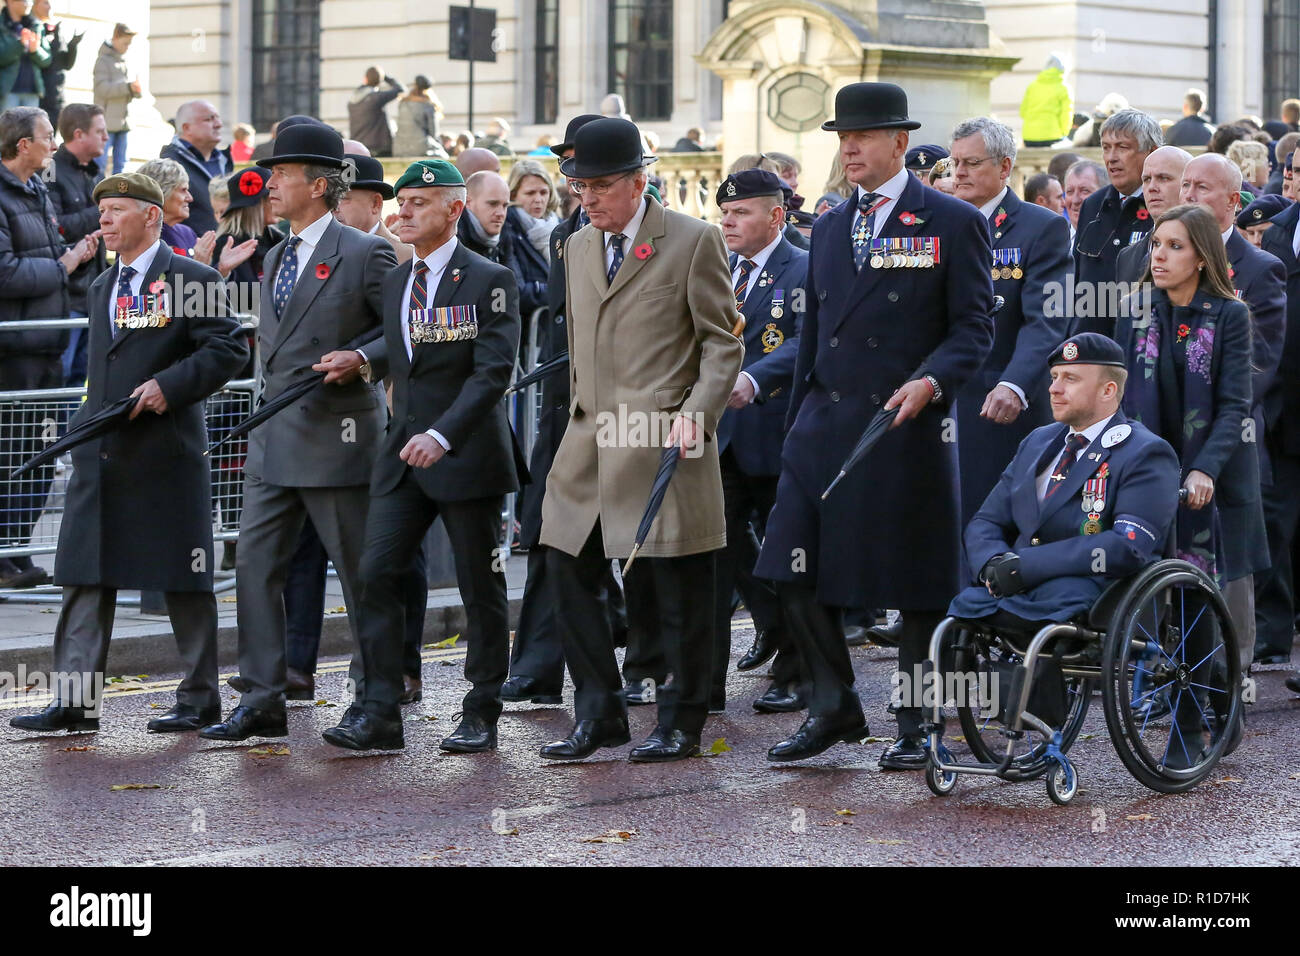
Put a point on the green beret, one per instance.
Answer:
(429, 172)
(653, 193)
(129, 186)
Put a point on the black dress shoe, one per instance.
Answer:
(351, 715)
(520, 689)
(366, 732)
(818, 734)
(1270, 657)
(56, 717)
(240, 684)
(638, 695)
(760, 652)
(855, 635)
(893, 709)
(905, 753)
(886, 635)
(664, 745)
(245, 722)
(182, 718)
(588, 736)
(780, 700)
(474, 736)
(299, 686)
(1293, 683)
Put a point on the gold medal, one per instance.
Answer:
(1006, 272)
(997, 273)
(1092, 526)
(1017, 273)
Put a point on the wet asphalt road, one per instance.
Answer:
(229, 805)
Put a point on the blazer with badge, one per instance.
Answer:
(1058, 557)
(1036, 243)
(1105, 227)
(139, 502)
(338, 302)
(772, 319)
(653, 344)
(454, 387)
(890, 532)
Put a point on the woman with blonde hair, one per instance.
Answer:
(1252, 159)
(530, 219)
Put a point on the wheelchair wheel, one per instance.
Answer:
(974, 654)
(939, 781)
(1171, 637)
(1062, 783)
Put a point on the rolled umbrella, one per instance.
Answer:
(101, 423)
(667, 465)
(875, 429)
(269, 409)
(550, 367)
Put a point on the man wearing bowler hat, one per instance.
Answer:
(898, 304)
(362, 206)
(322, 298)
(651, 312)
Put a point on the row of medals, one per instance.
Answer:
(423, 334)
(1006, 272)
(897, 260)
(149, 320)
(1092, 508)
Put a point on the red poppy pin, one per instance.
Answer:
(322, 271)
(1183, 331)
(1001, 217)
(157, 285)
(182, 252)
(907, 218)
(644, 251)
(1143, 214)
(1232, 273)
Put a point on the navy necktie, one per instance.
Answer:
(863, 229)
(284, 283)
(616, 242)
(1073, 445)
(124, 278)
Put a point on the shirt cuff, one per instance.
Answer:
(364, 357)
(1020, 393)
(437, 436)
(754, 383)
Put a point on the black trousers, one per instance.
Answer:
(395, 528)
(537, 651)
(1275, 587)
(913, 650)
(745, 497)
(644, 660)
(684, 593)
(23, 499)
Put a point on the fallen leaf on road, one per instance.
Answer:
(887, 842)
(77, 750)
(1086, 736)
(155, 706)
(1139, 816)
(612, 836)
(959, 739)
(422, 717)
(719, 746)
(263, 752)
(513, 831)
(1295, 776)
(227, 600)
(136, 786)
(835, 823)
(877, 740)
(845, 813)
(449, 642)
(325, 703)
(341, 609)
(126, 678)
(1229, 780)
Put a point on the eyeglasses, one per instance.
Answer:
(969, 163)
(580, 189)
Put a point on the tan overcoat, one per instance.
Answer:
(654, 344)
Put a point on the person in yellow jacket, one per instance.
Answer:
(1047, 109)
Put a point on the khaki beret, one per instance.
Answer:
(129, 186)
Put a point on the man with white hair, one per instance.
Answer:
(1162, 178)
(1115, 216)
(198, 131)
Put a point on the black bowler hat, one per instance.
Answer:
(246, 188)
(1262, 210)
(1088, 348)
(307, 143)
(575, 124)
(750, 183)
(870, 106)
(605, 147)
(370, 174)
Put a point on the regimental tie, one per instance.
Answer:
(742, 283)
(616, 243)
(123, 292)
(865, 227)
(284, 283)
(419, 292)
(1073, 445)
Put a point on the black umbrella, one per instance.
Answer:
(559, 363)
(268, 409)
(877, 427)
(101, 423)
(667, 465)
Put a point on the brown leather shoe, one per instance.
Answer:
(299, 686)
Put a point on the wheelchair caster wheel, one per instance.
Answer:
(939, 781)
(1062, 784)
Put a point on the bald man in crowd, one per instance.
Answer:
(476, 159)
(198, 132)
(1162, 178)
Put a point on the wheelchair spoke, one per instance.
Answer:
(1207, 656)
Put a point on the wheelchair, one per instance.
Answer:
(1162, 647)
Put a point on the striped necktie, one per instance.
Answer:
(742, 283)
(1073, 445)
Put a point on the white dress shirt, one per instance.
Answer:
(437, 263)
(1091, 433)
(760, 261)
(307, 242)
(629, 236)
(375, 228)
(892, 190)
(141, 265)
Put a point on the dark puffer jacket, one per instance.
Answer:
(33, 284)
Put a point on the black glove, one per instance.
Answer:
(1002, 574)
